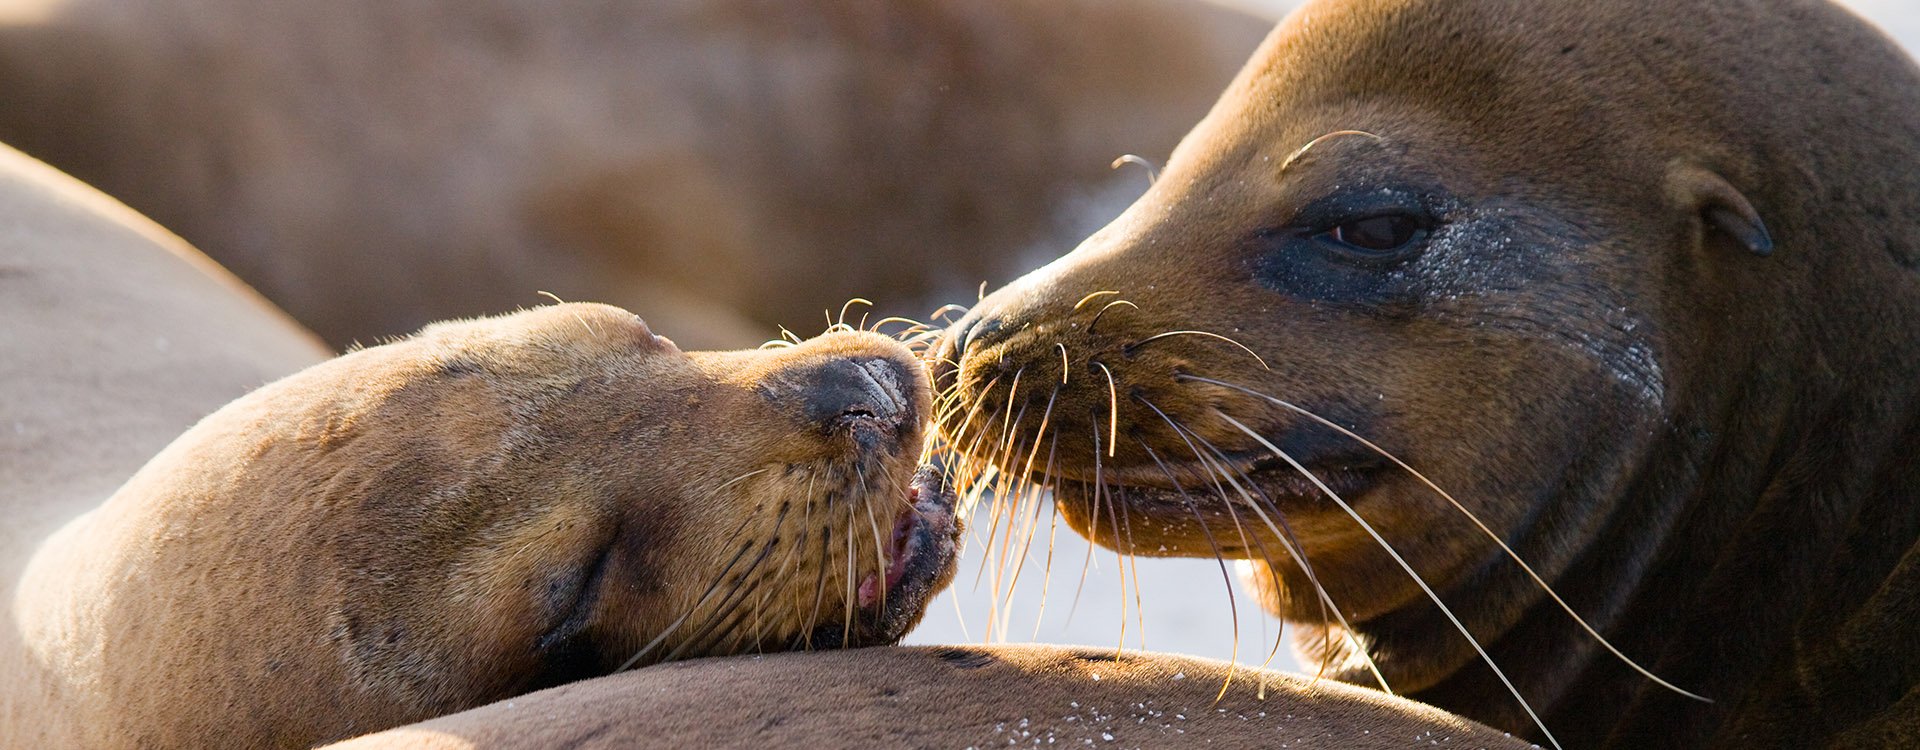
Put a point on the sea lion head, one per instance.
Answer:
(496, 505)
(1575, 263)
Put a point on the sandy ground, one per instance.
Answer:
(1184, 605)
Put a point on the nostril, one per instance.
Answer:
(850, 392)
(969, 331)
(982, 332)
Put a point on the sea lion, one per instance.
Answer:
(117, 336)
(1633, 282)
(176, 617)
(486, 508)
(949, 697)
(718, 166)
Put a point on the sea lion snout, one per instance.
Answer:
(865, 396)
(846, 386)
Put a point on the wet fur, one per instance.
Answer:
(1706, 450)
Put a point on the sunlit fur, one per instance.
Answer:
(483, 509)
(1590, 463)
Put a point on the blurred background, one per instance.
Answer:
(722, 167)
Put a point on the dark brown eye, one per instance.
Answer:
(1379, 235)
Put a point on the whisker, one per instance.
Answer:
(943, 310)
(1046, 418)
(1233, 607)
(1103, 311)
(721, 623)
(1302, 151)
(1395, 554)
(850, 303)
(879, 547)
(1129, 348)
(719, 626)
(675, 625)
(1133, 568)
(1283, 533)
(1475, 519)
(1153, 174)
(1005, 449)
(1120, 561)
(1113, 404)
(1053, 531)
(1083, 300)
(819, 585)
(846, 623)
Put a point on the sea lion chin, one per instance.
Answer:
(1632, 282)
(487, 508)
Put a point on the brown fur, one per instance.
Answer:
(483, 509)
(117, 337)
(377, 539)
(948, 697)
(1705, 448)
(717, 165)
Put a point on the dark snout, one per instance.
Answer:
(868, 398)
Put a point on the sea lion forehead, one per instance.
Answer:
(583, 331)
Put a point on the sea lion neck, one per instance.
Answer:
(1754, 561)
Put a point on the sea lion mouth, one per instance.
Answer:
(1188, 508)
(920, 562)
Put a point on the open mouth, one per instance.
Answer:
(920, 562)
(924, 536)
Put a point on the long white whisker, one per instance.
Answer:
(1475, 519)
(1395, 554)
(1284, 535)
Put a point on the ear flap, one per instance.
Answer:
(1716, 202)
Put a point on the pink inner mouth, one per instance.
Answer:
(899, 551)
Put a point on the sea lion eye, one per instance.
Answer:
(1379, 235)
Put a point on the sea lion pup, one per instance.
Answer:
(487, 508)
(1634, 282)
(718, 166)
(948, 697)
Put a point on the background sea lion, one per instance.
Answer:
(717, 165)
(117, 337)
(1634, 281)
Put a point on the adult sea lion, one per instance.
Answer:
(1634, 282)
(718, 166)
